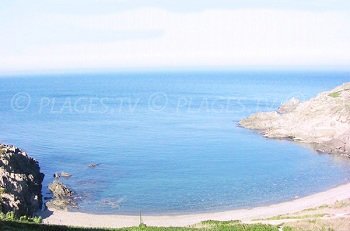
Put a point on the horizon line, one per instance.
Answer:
(19, 73)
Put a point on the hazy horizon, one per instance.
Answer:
(60, 36)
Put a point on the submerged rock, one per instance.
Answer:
(63, 197)
(323, 121)
(20, 182)
(65, 174)
(93, 165)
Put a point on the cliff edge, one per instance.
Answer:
(20, 182)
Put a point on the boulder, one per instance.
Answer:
(63, 196)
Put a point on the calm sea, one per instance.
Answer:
(167, 142)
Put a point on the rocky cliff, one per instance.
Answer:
(323, 121)
(20, 182)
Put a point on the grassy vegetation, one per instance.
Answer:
(336, 205)
(335, 94)
(24, 219)
(316, 208)
(306, 216)
(341, 204)
(204, 226)
(233, 225)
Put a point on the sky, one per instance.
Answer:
(60, 35)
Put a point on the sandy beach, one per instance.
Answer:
(245, 215)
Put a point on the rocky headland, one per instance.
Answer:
(20, 182)
(323, 121)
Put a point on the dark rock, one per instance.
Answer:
(56, 175)
(20, 182)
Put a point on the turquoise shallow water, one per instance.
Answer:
(167, 142)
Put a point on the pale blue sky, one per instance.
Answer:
(103, 6)
(98, 34)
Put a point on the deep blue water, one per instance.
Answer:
(167, 142)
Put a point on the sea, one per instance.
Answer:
(167, 142)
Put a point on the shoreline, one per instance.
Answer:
(57, 217)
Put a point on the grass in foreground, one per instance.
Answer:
(207, 226)
(306, 216)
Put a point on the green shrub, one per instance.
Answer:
(23, 218)
(334, 94)
(10, 216)
(37, 220)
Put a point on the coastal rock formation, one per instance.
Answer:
(323, 121)
(63, 197)
(20, 182)
(57, 175)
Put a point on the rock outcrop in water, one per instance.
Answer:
(323, 121)
(63, 197)
(20, 182)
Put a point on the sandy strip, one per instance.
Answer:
(113, 221)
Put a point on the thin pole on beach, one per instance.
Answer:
(141, 221)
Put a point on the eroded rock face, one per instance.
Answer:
(20, 182)
(289, 106)
(323, 121)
